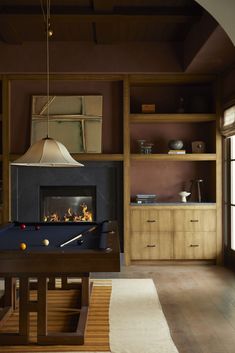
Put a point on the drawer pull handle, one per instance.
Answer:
(194, 220)
(151, 220)
(151, 246)
(194, 245)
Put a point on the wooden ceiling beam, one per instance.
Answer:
(103, 5)
(8, 33)
(98, 17)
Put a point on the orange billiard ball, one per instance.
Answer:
(23, 246)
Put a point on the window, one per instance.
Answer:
(232, 189)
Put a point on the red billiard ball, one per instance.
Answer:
(37, 227)
(22, 226)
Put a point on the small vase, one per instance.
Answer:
(184, 195)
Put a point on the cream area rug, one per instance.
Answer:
(137, 322)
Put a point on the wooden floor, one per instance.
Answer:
(198, 302)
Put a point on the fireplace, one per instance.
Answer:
(68, 203)
(104, 179)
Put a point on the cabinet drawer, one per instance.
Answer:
(151, 220)
(195, 245)
(151, 246)
(194, 220)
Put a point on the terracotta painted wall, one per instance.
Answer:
(74, 57)
(22, 91)
(229, 87)
(166, 179)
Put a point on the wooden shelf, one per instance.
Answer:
(85, 157)
(97, 157)
(173, 157)
(171, 118)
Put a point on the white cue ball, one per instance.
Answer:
(45, 242)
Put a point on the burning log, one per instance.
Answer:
(70, 216)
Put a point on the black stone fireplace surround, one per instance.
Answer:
(106, 176)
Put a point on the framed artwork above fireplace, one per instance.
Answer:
(75, 121)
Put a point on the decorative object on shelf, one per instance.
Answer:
(184, 195)
(141, 144)
(176, 151)
(148, 148)
(198, 147)
(148, 108)
(175, 147)
(47, 152)
(181, 108)
(145, 198)
(195, 190)
(175, 144)
(145, 147)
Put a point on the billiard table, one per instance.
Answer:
(72, 250)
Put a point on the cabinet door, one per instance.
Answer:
(195, 245)
(151, 245)
(195, 220)
(151, 220)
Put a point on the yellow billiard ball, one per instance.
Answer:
(45, 242)
(23, 246)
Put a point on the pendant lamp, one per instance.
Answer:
(47, 152)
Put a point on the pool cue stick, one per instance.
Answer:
(78, 236)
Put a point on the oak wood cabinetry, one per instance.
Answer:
(195, 245)
(195, 234)
(188, 232)
(165, 232)
(151, 234)
(151, 220)
(194, 220)
(151, 245)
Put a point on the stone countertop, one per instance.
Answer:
(173, 204)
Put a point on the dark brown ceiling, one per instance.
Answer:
(182, 23)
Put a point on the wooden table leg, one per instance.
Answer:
(24, 308)
(42, 309)
(10, 292)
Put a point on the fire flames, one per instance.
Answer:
(70, 216)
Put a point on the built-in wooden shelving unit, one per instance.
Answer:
(85, 157)
(170, 118)
(174, 157)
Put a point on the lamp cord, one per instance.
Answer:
(46, 17)
(48, 65)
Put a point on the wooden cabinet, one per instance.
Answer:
(194, 245)
(151, 220)
(165, 232)
(151, 234)
(194, 220)
(151, 245)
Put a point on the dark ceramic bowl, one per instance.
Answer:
(175, 144)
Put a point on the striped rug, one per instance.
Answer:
(97, 331)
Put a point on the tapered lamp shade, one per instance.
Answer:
(47, 153)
